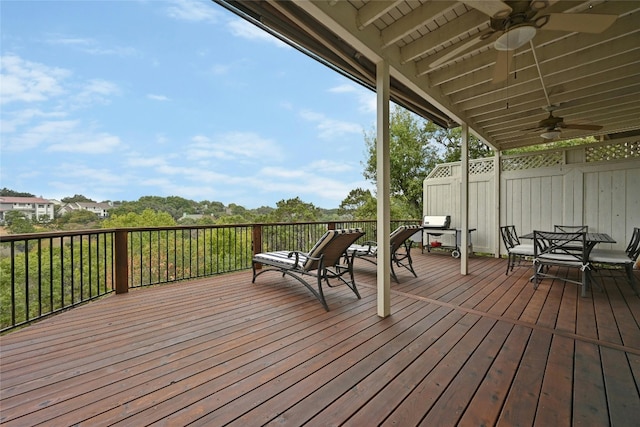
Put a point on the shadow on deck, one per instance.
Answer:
(482, 349)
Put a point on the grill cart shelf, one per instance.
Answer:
(436, 226)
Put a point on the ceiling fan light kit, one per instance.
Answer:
(516, 37)
(550, 134)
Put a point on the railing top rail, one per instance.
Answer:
(53, 234)
(68, 233)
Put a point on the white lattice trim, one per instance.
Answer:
(532, 161)
(614, 151)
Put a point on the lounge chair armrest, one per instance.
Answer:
(297, 254)
(296, 262)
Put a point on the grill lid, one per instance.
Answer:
(436, 221)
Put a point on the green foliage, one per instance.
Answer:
(412, 156)
(147, 218)
(77, 198)
(451, 141)
(232, 219)
(552, 145)
(359, 204)
(50, 276)
(294, 210)
(17, 223)
(10, 193)
(77, 217)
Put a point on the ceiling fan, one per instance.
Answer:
(551, 126)
(515, 23)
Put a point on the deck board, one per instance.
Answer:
(481, 349)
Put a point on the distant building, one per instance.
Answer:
(31, 207)
(100, 209)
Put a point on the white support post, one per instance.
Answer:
(464, 201)
(383, 188)
(496, 191)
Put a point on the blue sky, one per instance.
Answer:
(121, 99)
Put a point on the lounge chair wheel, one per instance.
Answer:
(455, 254)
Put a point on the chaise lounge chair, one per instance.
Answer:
(325, 261)
(399, 238)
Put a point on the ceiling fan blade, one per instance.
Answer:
(534, 129)
(503, 63)
(493, 8)
(579, 22)
(455, 52)
(581, 127)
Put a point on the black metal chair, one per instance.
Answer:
(557, 249)
(400, 238)
(517, 252)
(612, 258)
(572, 229)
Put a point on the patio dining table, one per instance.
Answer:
(591, 240)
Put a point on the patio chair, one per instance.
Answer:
(516, 252)
(615, 258)
(572, 229)
(323, 262)
(399, 239)
(556, 249)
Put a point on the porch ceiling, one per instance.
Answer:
(590, 78)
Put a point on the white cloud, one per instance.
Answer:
(12, 120)
(25, 81)
(83, 173)
(330, 128)
(343, 88)
(63, 136)
(365, 97)
(329, 166)
(90, 46)
(246, 30)
(233, 146)
(96, 91)
(192, 11)
(157, 97)
(220, 69)
(101, 143)
(307, 181)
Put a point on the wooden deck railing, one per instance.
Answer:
(44, 273)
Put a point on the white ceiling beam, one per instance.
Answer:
(616, 52)
(414, 20)
(591, 112)
(577, 96)
(457, 28)
(374, 10)
(588, 75)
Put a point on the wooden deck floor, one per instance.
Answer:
(477, 350)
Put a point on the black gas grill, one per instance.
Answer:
(436, 226)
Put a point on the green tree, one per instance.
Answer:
(451, 141)
(412, 156)
(77, 217)
(148, 218)
(18, 223)
(294, 210)
(77, 198)
(552, 145)
(10, 193)
(359, 204)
